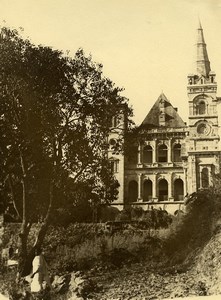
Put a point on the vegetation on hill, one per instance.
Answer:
(196, 227)
(184, 258)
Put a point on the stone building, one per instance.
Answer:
(173, 159)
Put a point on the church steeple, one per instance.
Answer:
(203, 136)
(203, 64)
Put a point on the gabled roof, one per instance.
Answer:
(172, 118)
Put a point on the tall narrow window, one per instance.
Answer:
(147, 154)
(133, 191)
(202, 108)
(177, 153)
(162, 153)
(205, 178)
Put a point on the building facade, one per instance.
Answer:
(172, 159)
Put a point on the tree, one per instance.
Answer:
(55, 113)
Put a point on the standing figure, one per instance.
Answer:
(39, 272)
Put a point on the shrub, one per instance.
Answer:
(195, 227)
(124, 215)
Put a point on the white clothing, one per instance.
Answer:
(39, 267)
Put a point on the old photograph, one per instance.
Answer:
(110, 150)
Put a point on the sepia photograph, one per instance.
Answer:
(110, 150)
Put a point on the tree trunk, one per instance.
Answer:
(22, 255)
(25, 265)
(25, 262)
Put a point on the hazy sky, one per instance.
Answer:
(146, 46)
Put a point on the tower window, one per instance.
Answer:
(205, 178)
(202, 108)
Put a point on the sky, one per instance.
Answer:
(146, 46)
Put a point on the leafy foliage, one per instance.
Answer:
(55, 113)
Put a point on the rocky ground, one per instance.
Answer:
(138, 282)
(142, 281)
(145, 280)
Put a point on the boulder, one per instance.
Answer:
(61, 283)
(80, 286)
(76, 285)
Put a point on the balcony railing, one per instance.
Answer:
(163, 197)
(178, 198)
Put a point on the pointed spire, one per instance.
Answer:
(203, 64)
(200, 26)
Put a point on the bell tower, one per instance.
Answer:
(203, 139)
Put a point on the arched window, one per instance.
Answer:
(147, 190)
(162, 190)
(177, 153)
(147, 154)
(201, 108)
(132, 191)
(205, 178)
(178, 190)
(162, 153)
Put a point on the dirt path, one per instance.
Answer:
(138, 282)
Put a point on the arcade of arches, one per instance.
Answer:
(162, 190)
(162, 153)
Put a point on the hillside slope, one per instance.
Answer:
(208, 265)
